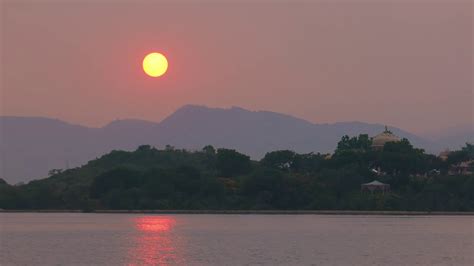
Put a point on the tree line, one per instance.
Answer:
(150, 178)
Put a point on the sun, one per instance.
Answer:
(155, 64)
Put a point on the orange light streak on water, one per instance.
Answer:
(155, 241)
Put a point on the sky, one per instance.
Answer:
(403, 63)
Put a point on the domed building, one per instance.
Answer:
(444, 154)
(379, 140)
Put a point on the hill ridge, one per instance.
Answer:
(30, 147)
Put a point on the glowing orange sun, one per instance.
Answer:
(155, 64)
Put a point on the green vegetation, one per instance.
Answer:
(148, 178)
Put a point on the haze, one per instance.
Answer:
(405, 64)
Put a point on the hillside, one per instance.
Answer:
(32, 146)
(225, 179)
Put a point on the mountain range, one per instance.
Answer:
(31, 146)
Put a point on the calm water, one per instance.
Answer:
(129, 239)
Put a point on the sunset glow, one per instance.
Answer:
(155, 64)
(155, 223)
(155, 244)
(160, 132)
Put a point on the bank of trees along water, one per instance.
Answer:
(148, 178)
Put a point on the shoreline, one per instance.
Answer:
(254, 212)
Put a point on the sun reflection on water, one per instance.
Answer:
(155, 223)
(155, 242)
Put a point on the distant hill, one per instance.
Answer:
(453, 137)
(31, 146)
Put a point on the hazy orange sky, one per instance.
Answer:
(403, 63)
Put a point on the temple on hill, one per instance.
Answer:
(444, 154)
(386, 136)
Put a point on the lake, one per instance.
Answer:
(141, 239)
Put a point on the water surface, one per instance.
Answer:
(133, 239)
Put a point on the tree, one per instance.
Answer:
(231, 163)
(400, 158)
(169, 147)
(282, 160)
(117, 179)
(209, 149)
(144, 148)
(269, 189)
(465, 154)
(360, 143)
(55, 172)
(402, 146)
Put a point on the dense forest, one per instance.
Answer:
(149, 178)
